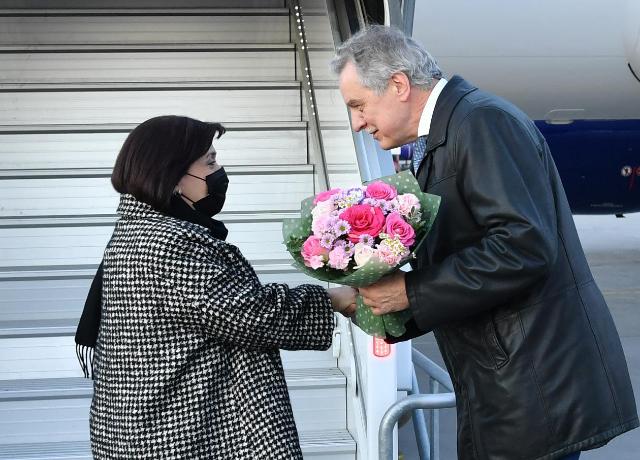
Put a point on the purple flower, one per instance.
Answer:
(386, 206)
(327, 239)
(348, 248)
(341, 227)
(339, 243)
(357, 194)
(366, 239)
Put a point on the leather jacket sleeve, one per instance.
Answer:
(502, 182)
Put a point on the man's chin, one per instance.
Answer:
(386, 144)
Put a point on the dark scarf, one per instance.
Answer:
(89, 325)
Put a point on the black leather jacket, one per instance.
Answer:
(525, 333)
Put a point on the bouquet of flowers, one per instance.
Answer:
(356, 236)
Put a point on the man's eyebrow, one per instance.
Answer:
(354, 102)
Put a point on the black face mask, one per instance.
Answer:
(217, 184)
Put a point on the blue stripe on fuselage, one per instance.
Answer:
(590, 156)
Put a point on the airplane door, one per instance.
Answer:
(632, 37)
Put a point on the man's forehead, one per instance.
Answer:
(349, 74)
(352, 90)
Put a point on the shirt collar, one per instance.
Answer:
(427, 113)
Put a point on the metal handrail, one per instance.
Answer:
(296, 19)
(397, 410)
(431, 369)
(416, 402)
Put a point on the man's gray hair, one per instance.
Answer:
(378, 52)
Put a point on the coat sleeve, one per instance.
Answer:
(234, 307)
(502, 177)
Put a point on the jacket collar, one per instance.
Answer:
(456, 89)
(131, 208)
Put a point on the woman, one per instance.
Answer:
(187, 360)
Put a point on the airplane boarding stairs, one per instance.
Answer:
(75, 78)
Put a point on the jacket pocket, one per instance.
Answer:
(494, 343)
(477, 344)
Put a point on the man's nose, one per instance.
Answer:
(357, 122)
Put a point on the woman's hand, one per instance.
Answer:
(343, 300)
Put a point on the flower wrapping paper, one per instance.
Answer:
(295, 231)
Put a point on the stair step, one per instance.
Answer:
(88, 271)
(73, 387)
(60, 294)
(34, 409)
(78, 173)
(150, 47)
(328, 443)
(109, 221)
(79, 387)
(86, 4)
(154, 25)
(35, 293)
(55, 357)
(57, 67)
(133, 103)
(48, 303)
(126, 127)
(142, 26)
(259, 237)
(86, 191)
(57, 313)
(97, 146)
(142, 12)
(38, 328)
(211, 85)
(334, 445)
(70, 450)
(99, 150)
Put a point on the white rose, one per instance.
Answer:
(362, 253)
(322, 209)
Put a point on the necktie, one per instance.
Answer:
(419, 148)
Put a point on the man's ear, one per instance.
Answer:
(400, 86)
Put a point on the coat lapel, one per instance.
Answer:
(451, 94)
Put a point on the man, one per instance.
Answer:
(535, 358)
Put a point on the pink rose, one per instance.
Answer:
(363, 219)
(324, 196)
(381, 191)
(313, 253)
(396, 226)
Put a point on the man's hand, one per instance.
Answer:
(387, 295)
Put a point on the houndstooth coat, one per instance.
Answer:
(187, 363)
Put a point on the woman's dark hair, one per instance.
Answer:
(157, 153)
